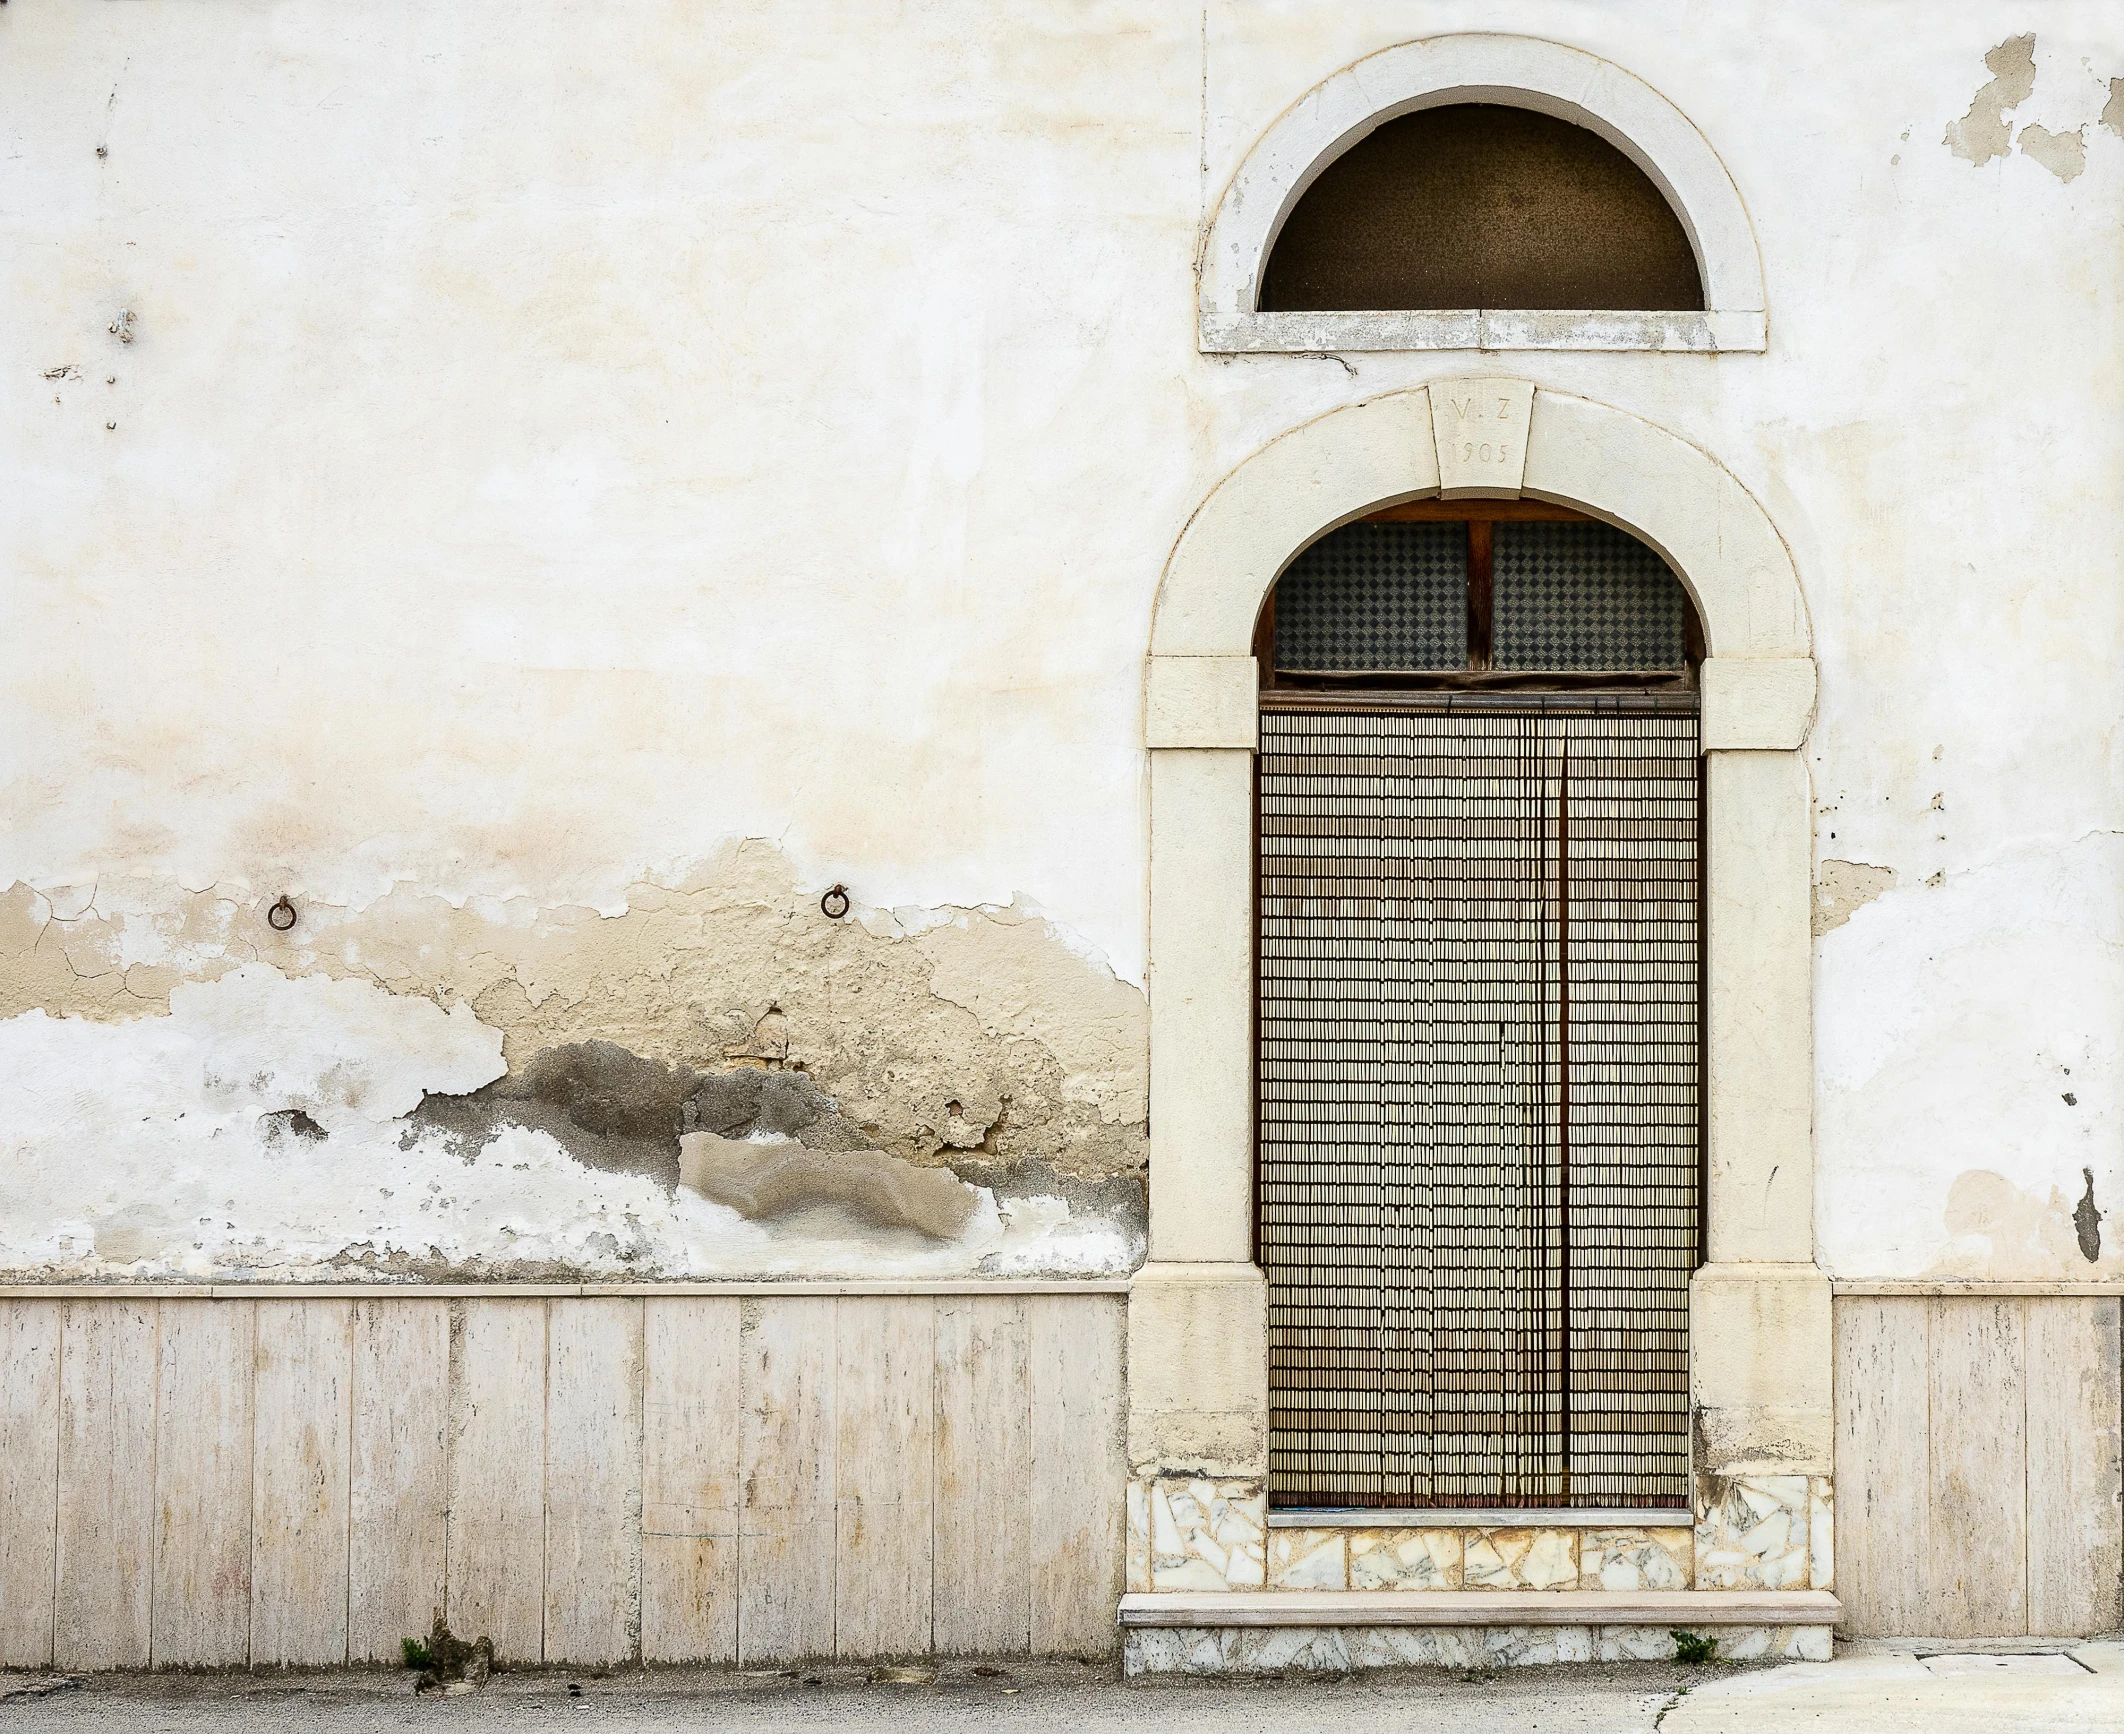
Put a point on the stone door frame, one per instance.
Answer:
(1760, 1345)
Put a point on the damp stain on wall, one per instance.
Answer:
(2003, 1230)
(420, 1089)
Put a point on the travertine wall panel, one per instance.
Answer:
(583, 1479)
(1979, 1465)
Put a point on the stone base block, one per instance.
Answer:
(1213, 1650)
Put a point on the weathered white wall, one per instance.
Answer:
(557, 443)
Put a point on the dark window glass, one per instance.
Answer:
(1376, 596)
(1584, 596)
(1479, 205)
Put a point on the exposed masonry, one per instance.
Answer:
(2087, 1220)
(928, 1092)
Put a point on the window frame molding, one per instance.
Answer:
(1513, 71)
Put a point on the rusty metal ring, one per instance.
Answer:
(834, 904)
(281, 916)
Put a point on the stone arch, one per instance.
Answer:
(1602, 460)
(1760, 1307)
(1513, 71)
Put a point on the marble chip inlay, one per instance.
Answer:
(1753, 1534)
(1635, 1559)
(1405, 1559)
(1187, 1534)
(1513, 1559)
(1307, 1559)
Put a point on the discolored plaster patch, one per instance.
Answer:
(765, 1180)
(2003, 1230)
(2064, 154)
(270, 1128)
(1983, 132)
(1843, 888)
(935, 1031)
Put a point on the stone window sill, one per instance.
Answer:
(1518, 1518)
(1719, 331)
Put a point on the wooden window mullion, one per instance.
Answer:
(1481, 609)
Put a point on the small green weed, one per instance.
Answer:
(1693, 1647)
(415, 1653)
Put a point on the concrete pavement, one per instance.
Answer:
(1874, 1691)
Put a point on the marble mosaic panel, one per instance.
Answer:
(1412, 1646)
(1307, 1559)
(1346, 1649)
(1633, 1644)
(1197, 1535)
(1405, 1559)
(1821, 1533)
(1735, 1643)
(1533, 1646)
(1515, 1559)
(1234, 1650)
(1137, 1546)
(1753, 1534)
(1793, 1643)
(1636, 1559)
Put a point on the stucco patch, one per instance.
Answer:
(1983, 133)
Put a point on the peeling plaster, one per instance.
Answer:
(2087, 1221)
(1983, 133)
(972, 1028)
(501, 1089)
(1969, 1074)
(2064, 154)
(1843, 888)
(316, 619)
(2002, 1231)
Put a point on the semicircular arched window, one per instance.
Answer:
(1479, 205)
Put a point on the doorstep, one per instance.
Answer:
(1348, 1631)
(1480, 1608)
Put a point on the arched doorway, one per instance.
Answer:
(1479, 1007)
(1758, 1332)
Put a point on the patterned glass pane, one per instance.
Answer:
(1584, 596)
(1376, 596)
